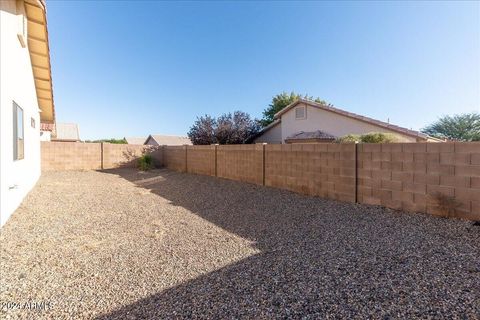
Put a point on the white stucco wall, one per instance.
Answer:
(330, 122)
(16, 84)
(273, 135)
(45, 136)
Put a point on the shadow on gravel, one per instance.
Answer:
(318, 258)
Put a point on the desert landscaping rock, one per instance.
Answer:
(105, 245)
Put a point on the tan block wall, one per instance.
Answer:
(407, 176)
(325, 170)
(201, 160)
(174, 158)
(121, 155)
(126, 155)
(240, 162)
(88, 156)
(71, 156)
(404, 176)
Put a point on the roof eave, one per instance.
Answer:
(39, 50)
(371, 121)
(148, 138)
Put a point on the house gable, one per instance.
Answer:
(333, 123)
(270, 134)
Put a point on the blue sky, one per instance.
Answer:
(135, 68)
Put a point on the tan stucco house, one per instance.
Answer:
(306, 121)
(26, 99)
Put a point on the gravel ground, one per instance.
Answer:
(105, 245)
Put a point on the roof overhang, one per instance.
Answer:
(39, 50)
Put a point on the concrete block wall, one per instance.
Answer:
(174, 158)
(325, 170)
(409, 176)
(71, 156)
(121, 155)
(201, 160)
(405, 176)
(58, 156)
(241, 162)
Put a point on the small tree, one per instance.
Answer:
(282, 100)
(202, 131)
(224, 130)
(236, 128)
(463, 127)
(228, 128)
(243, 127)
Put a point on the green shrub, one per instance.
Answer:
(372, 137)
(377, 137)
(349, 138)
(113, 141)
(145, 162)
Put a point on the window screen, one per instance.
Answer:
(18, 139)
(300, 113)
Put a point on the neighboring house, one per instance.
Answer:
(162, 140)
(26, 100)
(305, 121)
(67, 132)
(135, 140)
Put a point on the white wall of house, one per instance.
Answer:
(272, 135)
(45, 136)
(329, 122)
(16, 84)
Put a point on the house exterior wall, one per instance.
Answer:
(45, 136)
(17, 177)
(151, 142)
(330, 122)
(273, 135)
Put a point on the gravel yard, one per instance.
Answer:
(105, 245)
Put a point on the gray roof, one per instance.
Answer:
(135, 140)
(315, 135)
(66, 132)
(164, 140)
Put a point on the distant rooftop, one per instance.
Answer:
(66, 132)
(135, 140)
(164, 140)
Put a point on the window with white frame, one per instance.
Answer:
(18, 139)
(300, 113)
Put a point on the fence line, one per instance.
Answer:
(434, 178)
(94, 156)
